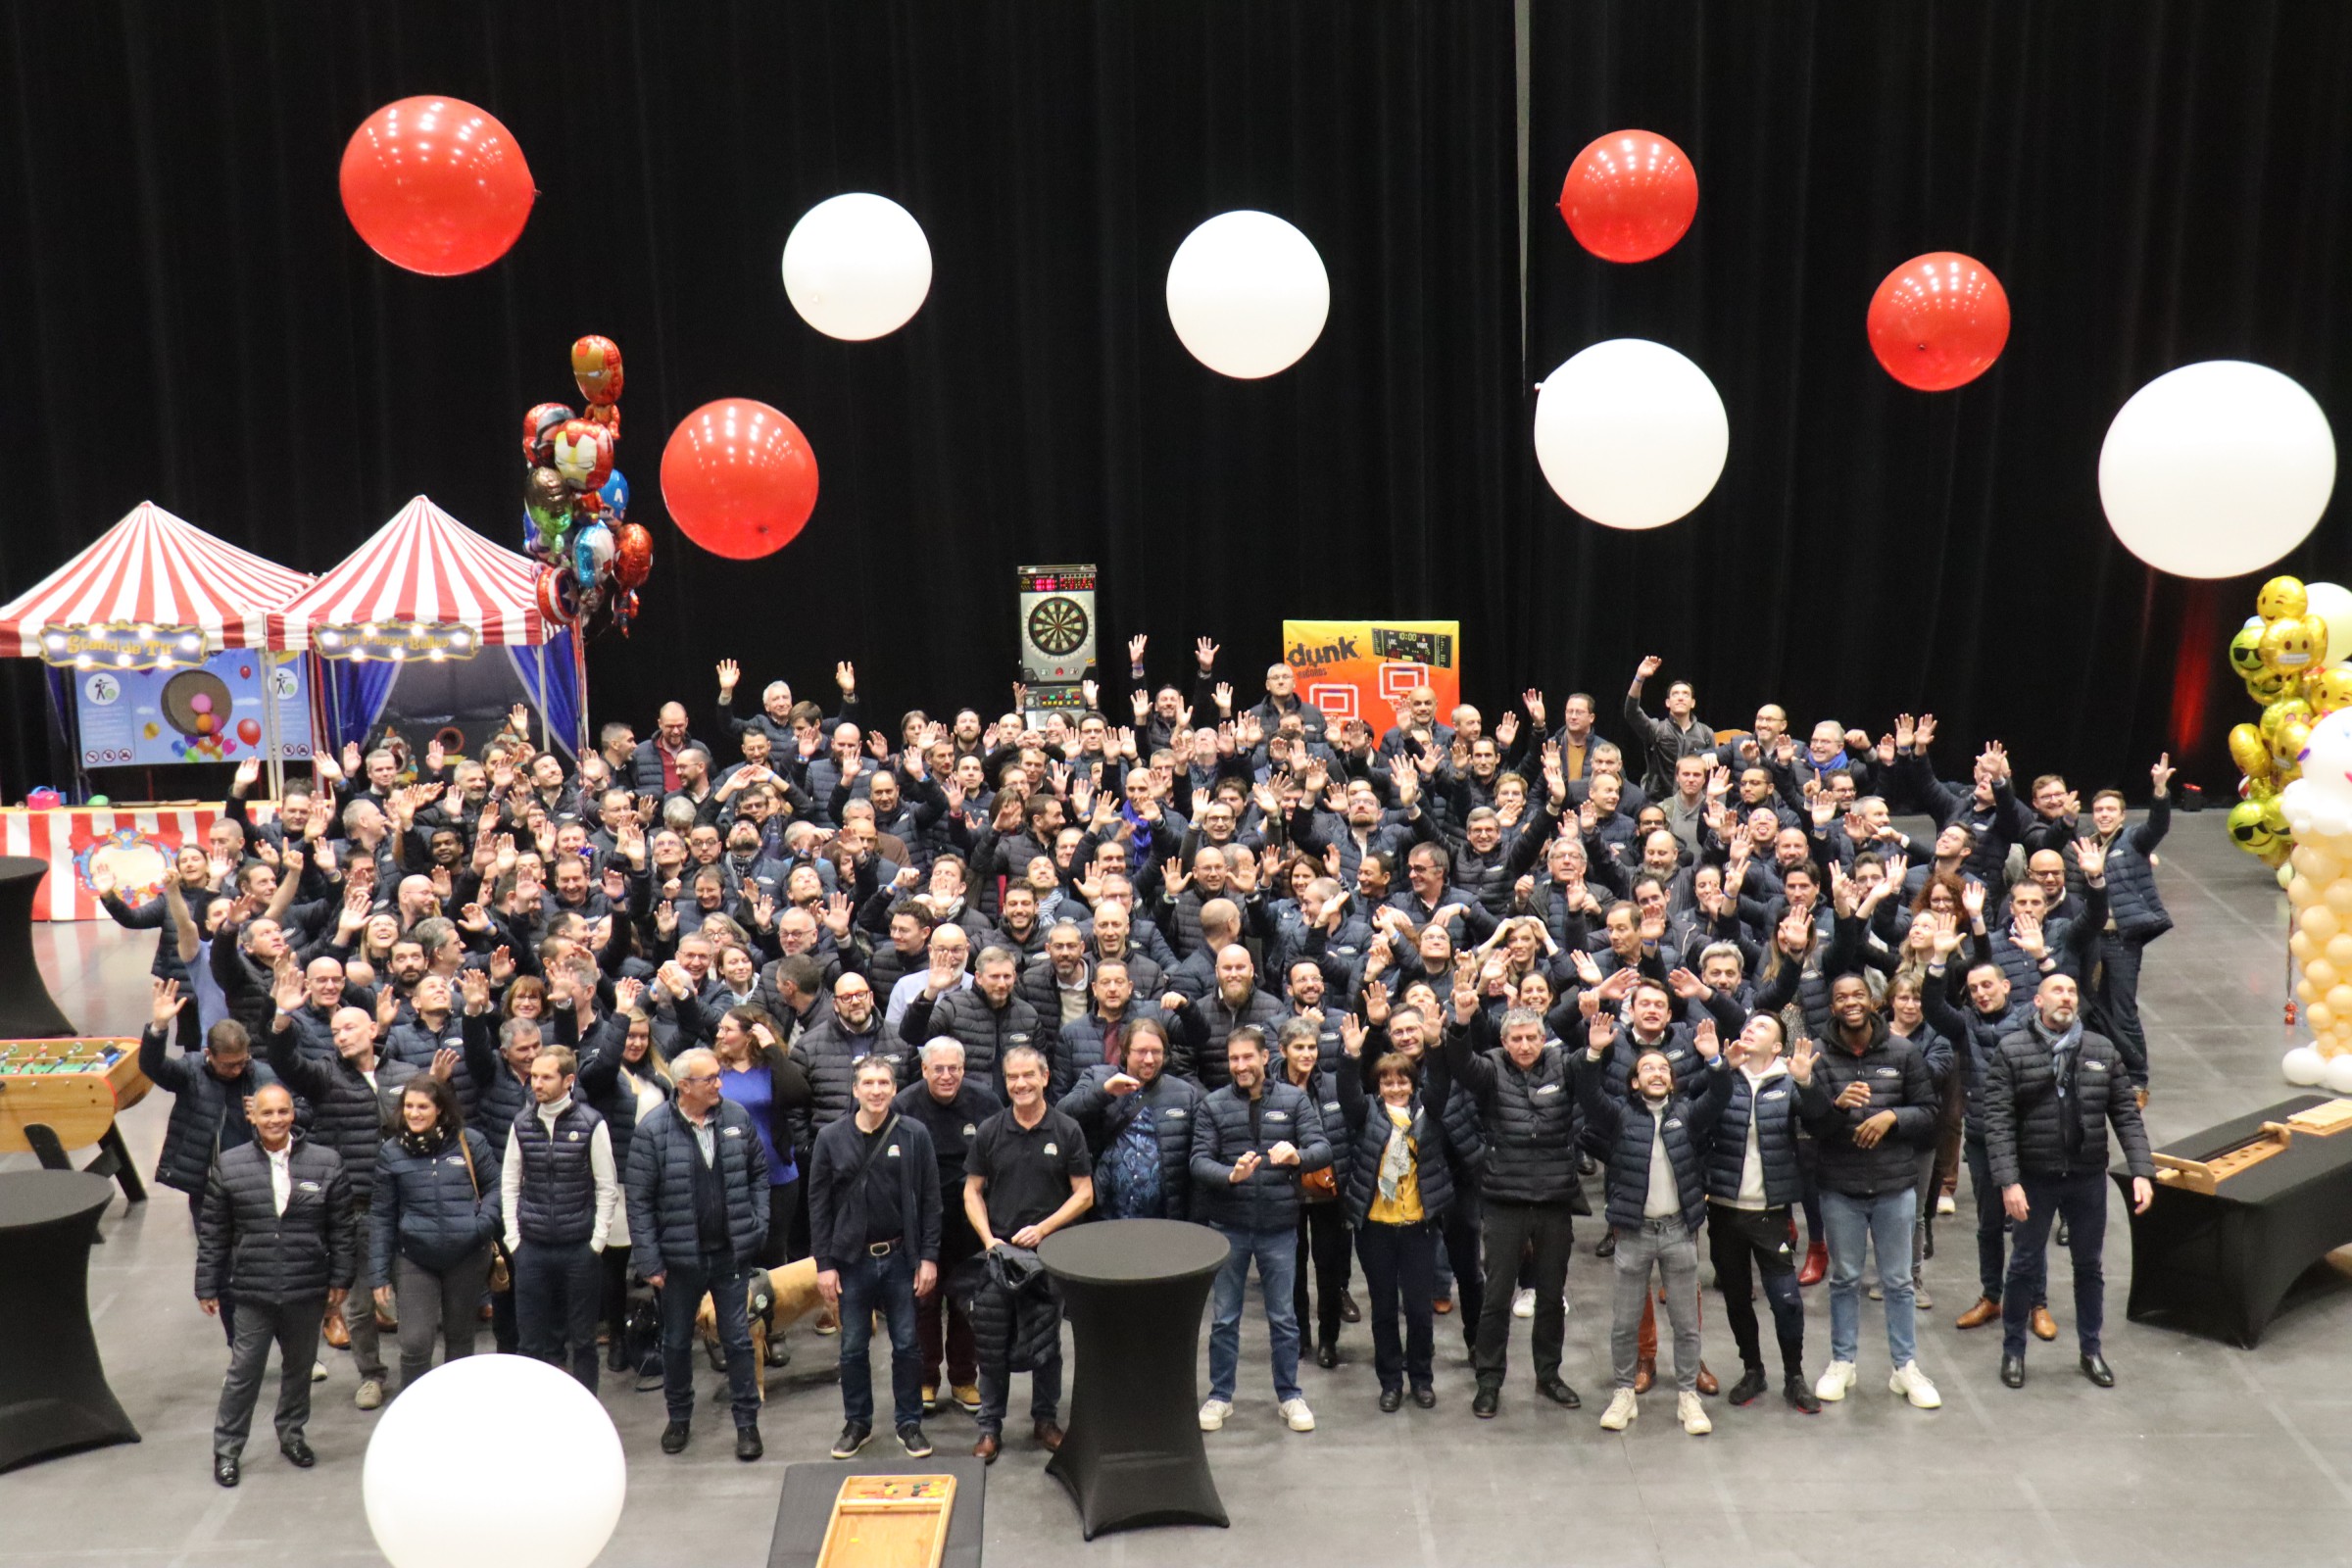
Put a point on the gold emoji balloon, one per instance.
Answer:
(2246, 649)
(2277, 713)
(2247, 829)
(2328, 689)
(2249, 751)
(2281, 598)
(2295, 646)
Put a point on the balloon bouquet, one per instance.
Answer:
(575, 504)
(2318, 806)
(2293, 659)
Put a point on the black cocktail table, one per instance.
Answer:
(27, 1010)
(1133, 1290)
(2222, 1266)
(53, 1391)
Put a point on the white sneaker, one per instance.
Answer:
(318, 1371)
(1694, 1414)
(1623, 1409)
(1835, 1379)
(1523, 1303)
(1214, 1413)
(1295, 1415)
(1913, 1384)
(1947, 1204)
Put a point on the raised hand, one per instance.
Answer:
(1685, 984)
(166, 1003)
(1801, 1058)
(1704, 1038)
(1972, 900)
(1141, 700)
(476, 984)
(1222, 695)
(1648, 667)
(1506, 730)
(1376, 1004)
(2161, 775)
(1532, 701)
(1905, 732)
(2091, 857)
(2025, 932)
(1205, 651)
(845, 676)
(1599, 1034)
(729, 673)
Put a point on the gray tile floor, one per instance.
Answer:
(2202, 1454)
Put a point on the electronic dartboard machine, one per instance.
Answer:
(1058, 636)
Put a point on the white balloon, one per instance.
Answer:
(2338, 1076)
(2332, 604)
(1247, 294)
(2304, 1065)
(2215, 468)
(856, 267)
(1631, 434)
(492, 1460)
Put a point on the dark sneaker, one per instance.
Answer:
(853, 1437)
(911, 1438)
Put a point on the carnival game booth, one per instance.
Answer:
(430, 631)
(153, 637)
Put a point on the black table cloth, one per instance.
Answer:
(53, 1393)
(1133, 1290)
(2222, 1266)
(27, 1010)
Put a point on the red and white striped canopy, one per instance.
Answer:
(424, 569)
(153, 568)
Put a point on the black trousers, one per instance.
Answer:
(1509, 1229)
(787, 1225)
(1460, 1231)
(1323, 1240)
(228, 1300)
(1400, 1272)
(1737, 1240)
(557, 1289)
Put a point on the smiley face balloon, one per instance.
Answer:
(2250, 751)
(2282, 597)
(2247, 828)
(2267, 687)
(2246, 649)
(2295, 645)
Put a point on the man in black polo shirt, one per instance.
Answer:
(1027, 1176)
(873, 1223)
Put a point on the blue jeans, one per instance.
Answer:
(2081, 1199)
(885, 1285)
(727, 1284)
(1854, 1225)
(1276, 1254)
(556, 1291)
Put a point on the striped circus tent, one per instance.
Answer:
(424, 568)
(158, 571)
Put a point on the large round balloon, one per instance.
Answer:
(427, 1512)
(2332, 604)
(1629, 196)
(2217, 469)
(738, 478)
(1939, 321)
(1247, 294)
(1631, 434)
(436, 185)
(856, 267)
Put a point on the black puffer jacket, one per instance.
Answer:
(2139, 912)
(1267, 1199)
(1630, 1131)
(1528, 1114)
(1081, 1044)
(658, 1187)
(2026, 1120)
(1433, 1172)
(348, 1114)
(1204, 1027)
(416, 1043)
(986, 1033)
(1465, 1129)
(248, 1251)
(1340, 1097)
(1770, 1107)
(830, 1053)
(427, 1209)
(599, 1083)
(200, 1102)
(1897, 1075)
(1103, 1116)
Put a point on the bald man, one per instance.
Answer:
(355, 1105)
(278, 1236)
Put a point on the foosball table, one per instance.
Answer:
(61, 1095)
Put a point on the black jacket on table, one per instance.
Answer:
(348, 1114)
(1629, 1130)
(200, 1103)
(1528, 1114)
(658, 1187)
(248, 1251)
(837, 1225)
(1228, 1124)
(428, 1208)
(2031, 1129)
(1175, 1104)
(1897, 1075)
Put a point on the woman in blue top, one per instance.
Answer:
(758, 1075)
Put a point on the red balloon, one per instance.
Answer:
(739, 478)
(1939, 321)
(558, 596)
(249, 731)
(436, 185)
(632, 555)
(1629, 196)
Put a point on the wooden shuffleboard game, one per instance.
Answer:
(889, 1522)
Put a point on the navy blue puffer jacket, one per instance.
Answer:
(427, 1209)
(1268, 1199)
(660, 1188)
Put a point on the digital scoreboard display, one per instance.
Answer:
(1056, 579)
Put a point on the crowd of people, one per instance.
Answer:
(598, 1053)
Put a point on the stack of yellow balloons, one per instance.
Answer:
(2295, 657)
(2318, 810)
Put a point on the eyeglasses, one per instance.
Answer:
(698, 1078)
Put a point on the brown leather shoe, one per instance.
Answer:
(1441, 1306)
(1646, 1373)
(2044, 1326)
(1049, 1434)
(1707, 1382)
(985, 1450)
(1987, 1310)
(336, 1334)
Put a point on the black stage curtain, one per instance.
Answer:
(189, 317)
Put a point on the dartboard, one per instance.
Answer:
(1057, 626)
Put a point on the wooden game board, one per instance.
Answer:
(889, 1522)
